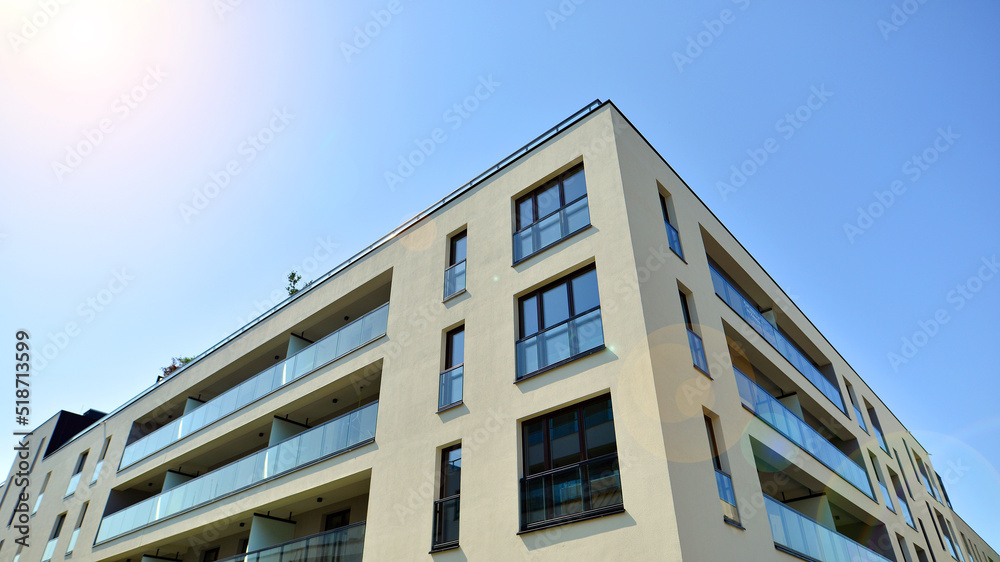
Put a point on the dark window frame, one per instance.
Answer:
(453, 247)
(436, 544)
(563, 203)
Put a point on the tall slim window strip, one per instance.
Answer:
(570, 465)
(50, 547)
(673, 237)
(76, 530)
(723, 480)
(446, 509)
(857, 409)
(100, 462)
(74, 480)
(454, 276)
(877, 427)
(694, 340)
(551, 213)
(452, 378)
(559, 323)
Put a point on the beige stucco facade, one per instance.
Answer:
(670, 499)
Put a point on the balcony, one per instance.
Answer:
(345, 544)
(784, 421)
(454, 280)
(351, 337)
(748, 312)
(697, 351)
(450, 391)
(727, 496)
(334, 437)
(561, 495)
(560, 343)
(552, 229)
(803, 537)
(674, 239)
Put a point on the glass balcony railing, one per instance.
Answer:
(451, 387)
(454, 279)
(97, 472)
(345, 544)
(353, 336)
(746, 310)
(333, 437)
(727, 496)
(446, 518)
(560, 342)
(697, 351)
(74, 481)
(50, 549)
(571, 492)
(785, 422)
(797, 533)
(72, 540)
(38, 503)
(674, 239)
(547, 231)
(906, 511)
(886, 497)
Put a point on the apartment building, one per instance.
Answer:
(568, 358)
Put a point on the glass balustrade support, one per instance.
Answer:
(351, 337)
(446, 523)
(560, 343)
(450, 391)
(552, 229)
(334, 437)
(50, 549)
(674, 239)
(802, 536)
(697, 352)
(454, 279)
(74, 481)
(784, 421)
(345, 544)
(592, 487)
(748, 311)
(97, 472)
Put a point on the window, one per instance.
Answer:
(922, 474)
(877, 427)
(450, 391)
(570, 465)
(337, 520)
(76, 529)
(694, 340)
(902, 548)
(901, 496)
(551, 213)
(41, 493)
(50, 547)
(210, 555)
(944, 491)
(881, 483)
(857, 409)
(723, 480)
(100, 462)
(559, 323)
(903, 472)
(74, 481)
(446, 508)
(454, 276)
(673, 238)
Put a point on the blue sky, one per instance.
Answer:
(164, 166)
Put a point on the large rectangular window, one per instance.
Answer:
(559, 322)
(551, 213)
(454, 276)
(446, 509)
(570, 465)
(450, 391)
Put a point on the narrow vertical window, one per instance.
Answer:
(76, 529)
(551, 213)
(877, 427)
(50, 547)
(901, 496)
(446, 510)
(694, 340)
(673, 237)
(450, 391)
(454, 276)
(723, 480)
(857, 409)
(100, 462)
(881, 482)
(74, 480)
(559, 322)
(41, 493)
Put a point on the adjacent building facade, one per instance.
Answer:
(569, 358)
